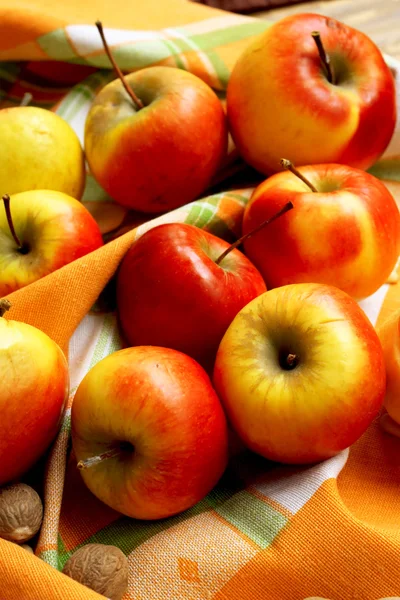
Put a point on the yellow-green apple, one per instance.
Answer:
(149, 432)
(34, 386)
(161, 150)
(300, 373)
(344, 229)
(389, 335)
(176, 289)
(39, 150)
(315, 90)
(41, 231)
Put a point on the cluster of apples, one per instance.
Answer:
(270, 344)
(297, 373)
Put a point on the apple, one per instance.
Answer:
(41, 231)
(159, 149)
(149, 432)
(176, 289)
(300, 373)
(344, 229)
(34, 387)
(308, 74)
(39, 150)
(389, 335)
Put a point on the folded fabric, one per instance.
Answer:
(266, 532)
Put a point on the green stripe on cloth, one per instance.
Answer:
(63, 554)
(51, 557)
(106, 332)
(175, 52)
(134, 56)
(130, 533)
(56, 45)
(388, 169)
(220, 67)
(253, 517)
(229, 35)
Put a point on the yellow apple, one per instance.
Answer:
(39, 150)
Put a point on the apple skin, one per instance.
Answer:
(389, 335)
(280, 103)
(56, 228)
(322, 405)
(162, 403)
(170, 291)
(33, 391)
(39, 150)
(347, 234)
(164, 155)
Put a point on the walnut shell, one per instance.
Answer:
(103, 569)
(21, 513)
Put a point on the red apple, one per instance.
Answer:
(345, 233)
(34, 386)
(171, 292)
(163, 152)
(41, 231)
(300, 372)
(149, 432)
(283, 101)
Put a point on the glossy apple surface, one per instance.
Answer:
(33, 390)
(389, 335)
(171, 292)
(158, 406)
(39, 150)
(163, 155)
(300, 373)
(281, 104)
(346, 234)
(54, 229)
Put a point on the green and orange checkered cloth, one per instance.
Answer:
(266, 532)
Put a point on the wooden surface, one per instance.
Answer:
(379, 19)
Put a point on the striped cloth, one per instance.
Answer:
(266, 532)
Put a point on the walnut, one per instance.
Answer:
(21, 513)
(103, 569)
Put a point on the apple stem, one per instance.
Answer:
(27, 98)
(288, 206)
(5, 305)
(325, 60)
(129, 91)
(6, 200)
(95, 460)
(287, 164)
(291, 360)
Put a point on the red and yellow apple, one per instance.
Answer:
(51, 229)
(161, 156)
(300, 373)
(34, 386)
(171, 292)
(149, 432)
(281, 103)
(389, 335)
(39, 150)
(345, 233)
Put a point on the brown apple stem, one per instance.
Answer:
(287, 164)
(118, 71)
(291, 360)
(27, 98)
(324, 57)
(6, 200)
(95, 460)
(288, 206)
(5, 305)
